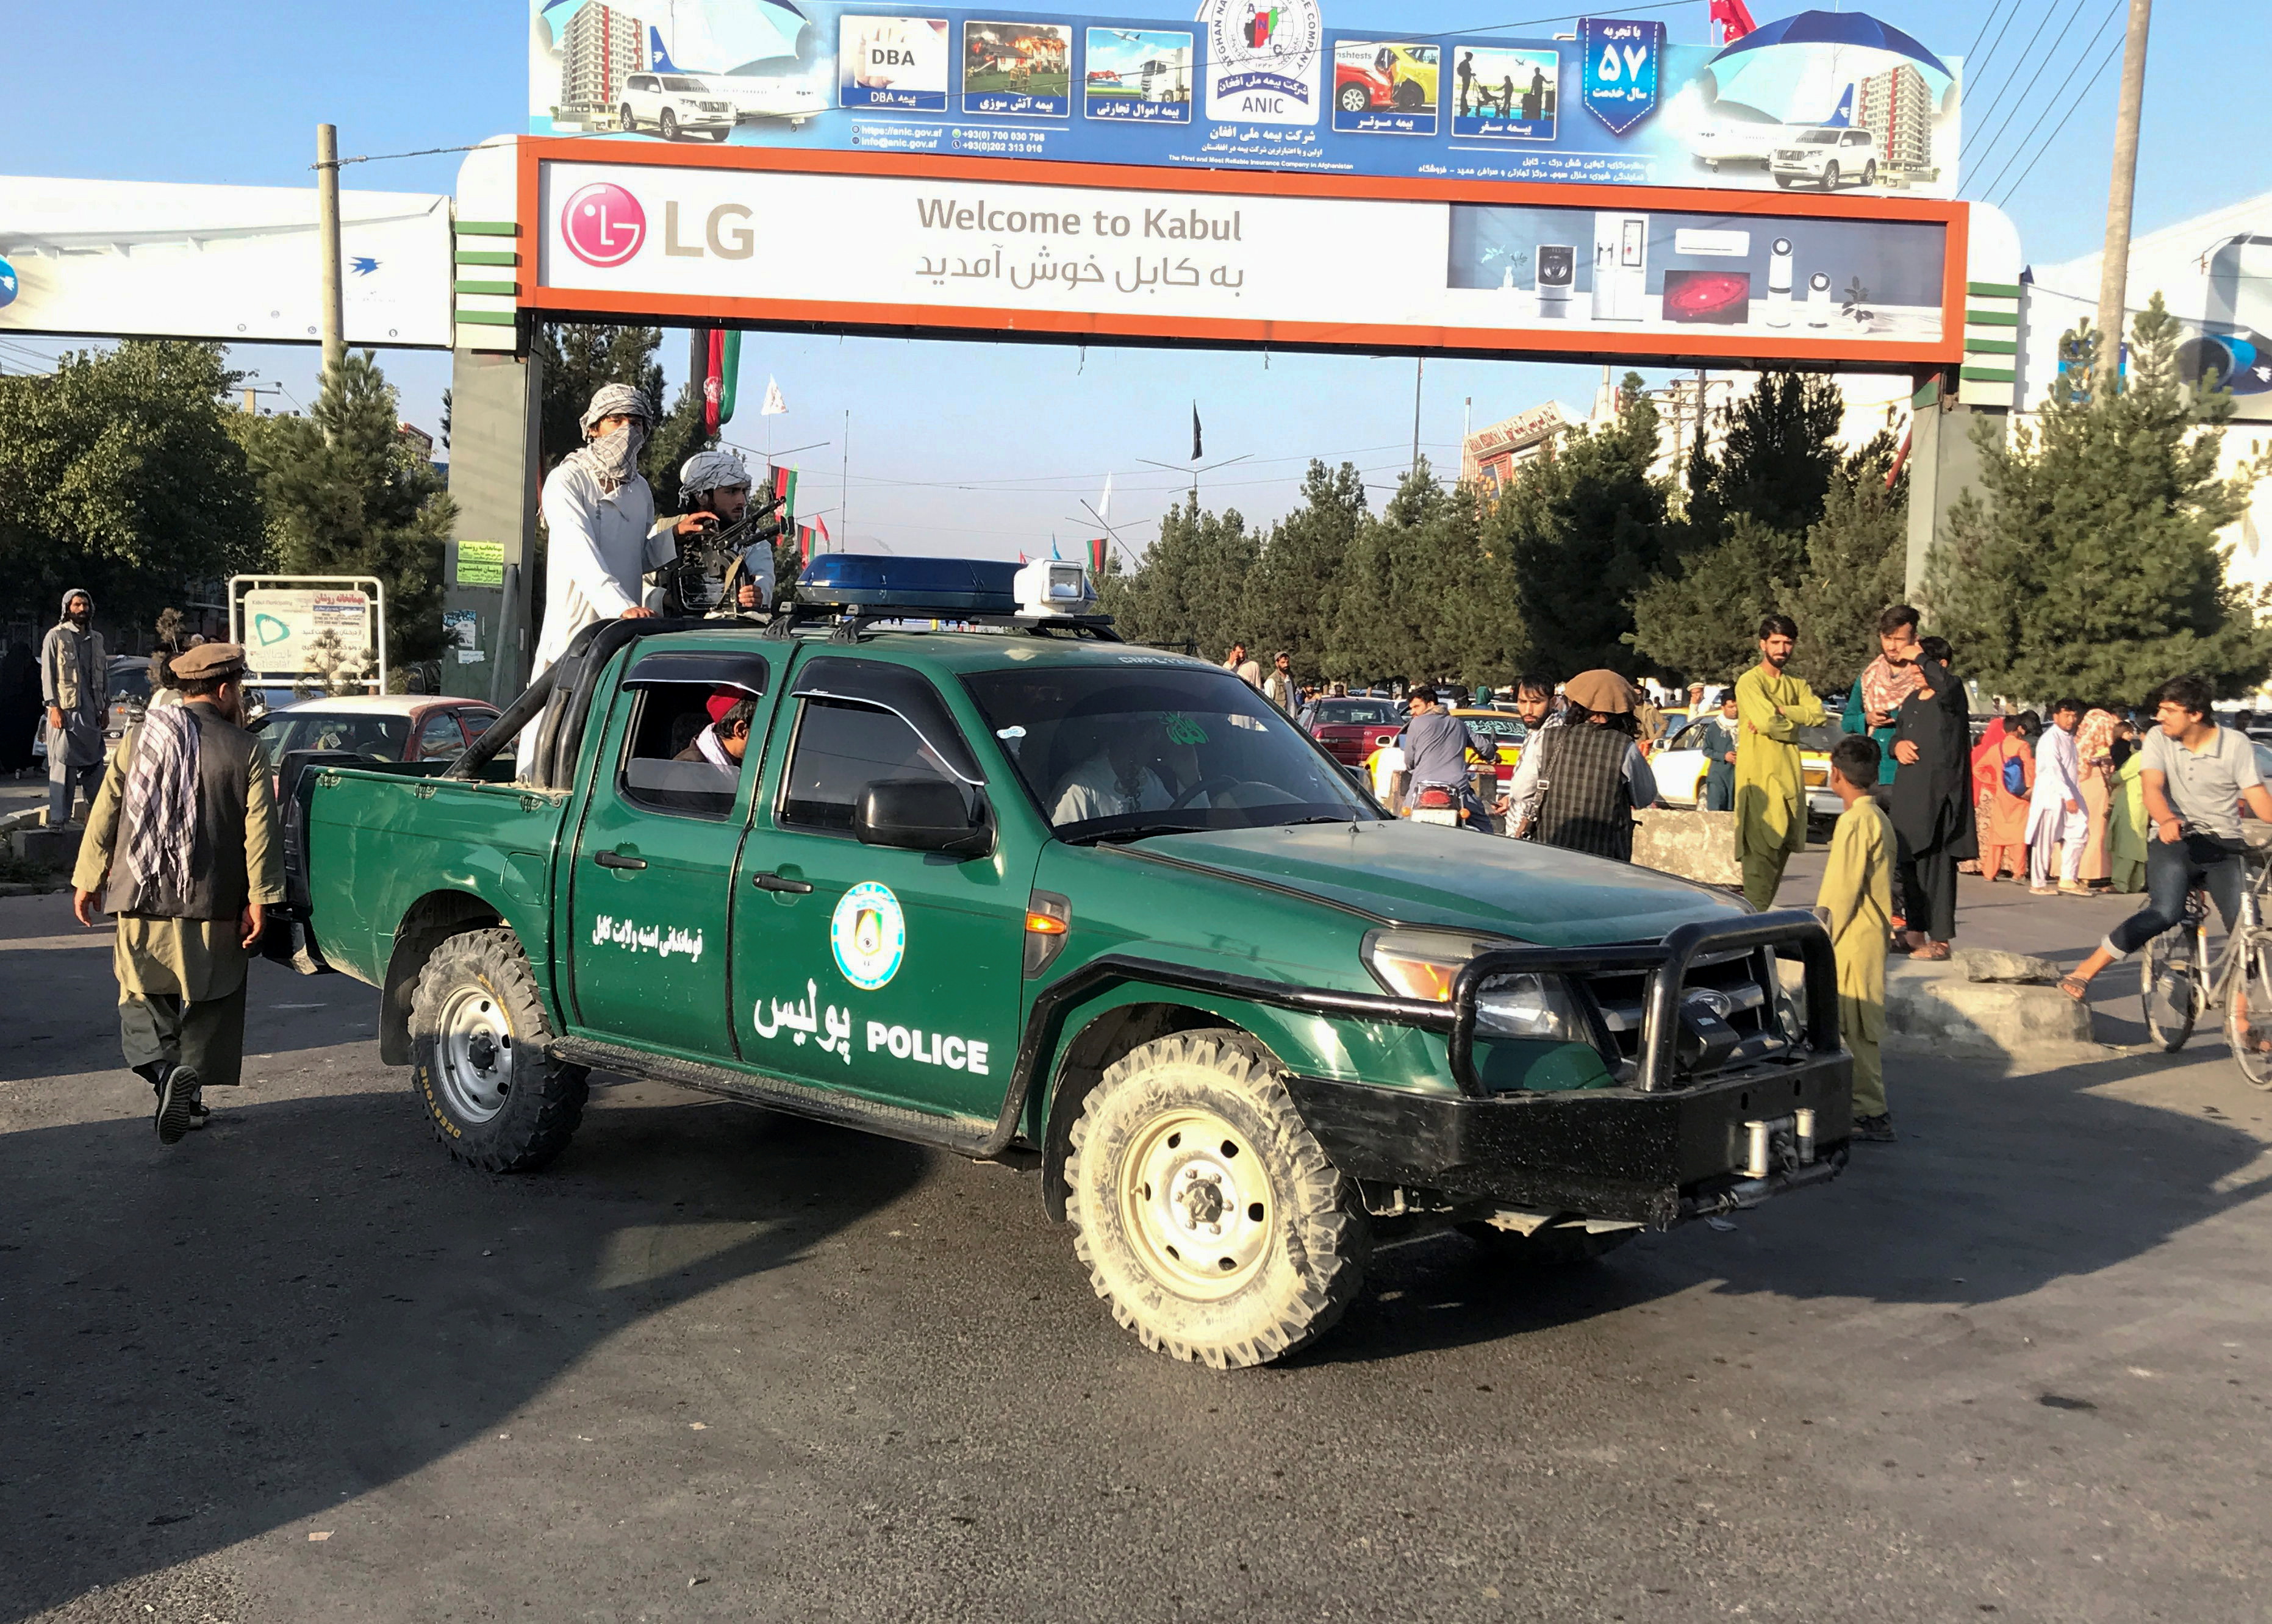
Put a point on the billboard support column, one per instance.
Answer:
(1945, 463)
(495, 412)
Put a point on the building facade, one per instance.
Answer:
(599, 49)
(1897, 108)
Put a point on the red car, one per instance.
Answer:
(1352, 729)
(383, 727)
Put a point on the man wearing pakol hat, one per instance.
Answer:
(183, 847)
(599, 515)
(1587, 776)
(75, 685)
(714, 487)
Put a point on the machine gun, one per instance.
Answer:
(695, 580)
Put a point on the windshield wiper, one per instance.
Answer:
(1137, 831)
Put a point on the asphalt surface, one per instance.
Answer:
(717, 1364)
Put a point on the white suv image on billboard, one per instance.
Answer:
(1828, 158)
(674, 105)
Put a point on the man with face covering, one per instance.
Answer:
(600, 517)
(182, 847)
(75, 685)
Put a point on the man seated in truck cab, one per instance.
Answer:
(1119, 773)
(726, 740)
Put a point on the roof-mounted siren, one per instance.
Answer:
(1054, 587)
(917, 587)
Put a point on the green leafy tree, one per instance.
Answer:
(1190, 592)
(1582, 532)
(2092, 565)
(345, 494)
(118, 473)
(1296, 578)
(1857, 564)
(1775, 462)
(579, 358)
(1700, 621)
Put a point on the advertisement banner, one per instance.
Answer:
(279, 625)
(1824, 101)
(1250, 264)
(240, 263)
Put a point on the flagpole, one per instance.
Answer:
(844, 478)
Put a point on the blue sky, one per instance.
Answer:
(991, 447)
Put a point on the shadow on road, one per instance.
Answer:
(1999, 1185)
(309, 1299)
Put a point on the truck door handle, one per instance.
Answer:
(617, 860)
(774, 882)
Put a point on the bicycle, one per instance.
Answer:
(2177, 982)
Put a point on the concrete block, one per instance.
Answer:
(1997, 964)
(46, 848)
(1939, 1007)
(1695, 846)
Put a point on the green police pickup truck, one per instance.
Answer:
(1009, 887)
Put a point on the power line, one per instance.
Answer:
(2051, 9)
(423, 152)
(2103, 63)
(1563, 17)
(2013, 157)
(1989, 146)
(1981, 67)
(1986, 23)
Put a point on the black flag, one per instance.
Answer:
(1197, 453)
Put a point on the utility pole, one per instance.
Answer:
(1419, 371)
(2114, 263)
(844, 479)
(327, 223)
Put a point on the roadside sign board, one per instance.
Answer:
(289, 626)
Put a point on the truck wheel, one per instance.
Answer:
(1209, 1217)
(1560, 1247)
(478, 1059)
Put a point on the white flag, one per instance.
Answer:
(774, 405)
(1104, 503)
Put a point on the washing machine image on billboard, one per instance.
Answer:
(1639, 269)
(897, 62)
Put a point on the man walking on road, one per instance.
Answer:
(75, 683)
(1770, 790)
(1279, 687)
(182, 847)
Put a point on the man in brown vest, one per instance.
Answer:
(1587, 776)
(183, 847)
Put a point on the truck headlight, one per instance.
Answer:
(1424, 963)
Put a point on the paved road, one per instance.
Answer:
(722, 1365)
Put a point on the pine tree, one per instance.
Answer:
(1775, 462)
(1190, 592)
(1582, 532)
(1856, 565)
(1701, 623)
(2092, 567)
(578, 358)
(345, 494)
(1295, 580)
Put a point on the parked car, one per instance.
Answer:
(1395, 77)
(1502, 732)
(380, 726)
(673, 104)
(1351, 729)
(1828, 158)
(1679, 766)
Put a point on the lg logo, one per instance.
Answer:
(603, 224)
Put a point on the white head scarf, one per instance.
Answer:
(613, 458)
(707, 471)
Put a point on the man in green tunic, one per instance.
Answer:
(1771, 706)
(182, 846)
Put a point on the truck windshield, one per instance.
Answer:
(1121, 754)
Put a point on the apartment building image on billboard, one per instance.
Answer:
(1896, 108)
(599, 49)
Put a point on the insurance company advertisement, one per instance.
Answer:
(130, 259)
(903, 250)
(1820, 101)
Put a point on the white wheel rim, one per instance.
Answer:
(475, 1054)
(1197, 1203)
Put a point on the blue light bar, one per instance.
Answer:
(912, 586)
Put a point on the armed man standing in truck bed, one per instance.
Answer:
(181, 845)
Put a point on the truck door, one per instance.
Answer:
(890, 972)
(654, 858)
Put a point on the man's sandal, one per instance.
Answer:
(2075, 987)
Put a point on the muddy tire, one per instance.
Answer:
(1560, 1247)
(1209, 1217)
(479, 1061)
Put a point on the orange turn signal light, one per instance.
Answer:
(1044, 925)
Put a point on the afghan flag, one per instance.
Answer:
(804, 543)
(784, 489)
(1097, 556)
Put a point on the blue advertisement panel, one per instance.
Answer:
(1822, 101)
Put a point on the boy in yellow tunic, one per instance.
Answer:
(1771, 706)
(1856, 899)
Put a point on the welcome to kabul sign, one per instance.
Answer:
(1619, 86)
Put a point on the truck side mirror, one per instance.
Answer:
(921, 815)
